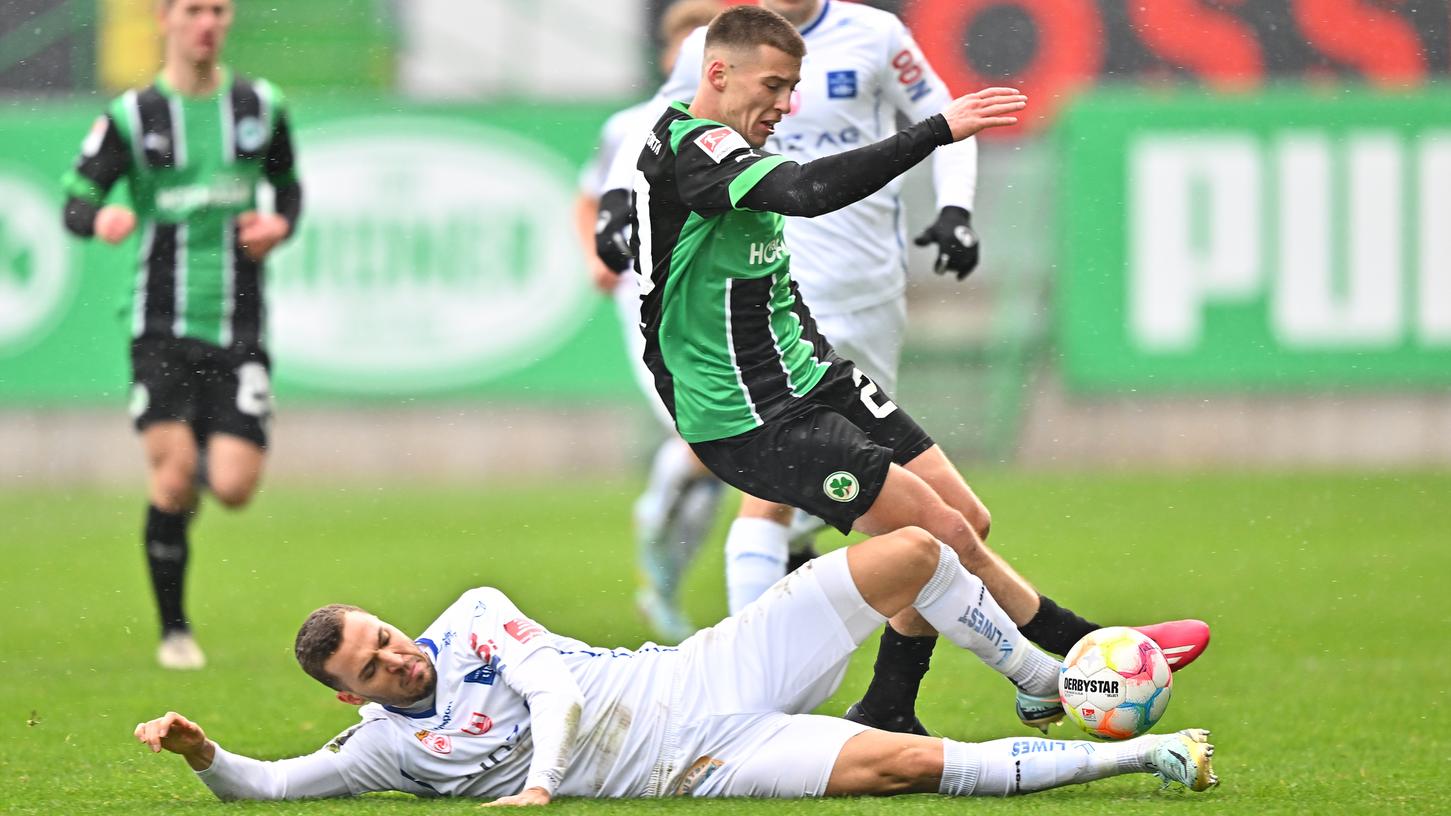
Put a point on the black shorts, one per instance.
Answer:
(212, 389)
(829, 455)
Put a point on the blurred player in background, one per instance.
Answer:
(192, 147)
(863, 71)
(676, 511)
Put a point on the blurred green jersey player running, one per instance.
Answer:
(193, 148)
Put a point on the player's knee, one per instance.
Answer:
(918, 553)
(981, 520)
(233, 493)
(172, 488)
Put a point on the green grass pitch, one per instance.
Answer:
(1325, 685)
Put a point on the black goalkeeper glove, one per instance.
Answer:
(612, 230)
(957, 246)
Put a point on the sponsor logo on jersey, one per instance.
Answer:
(523, 629)
(484, 649)
(179, 202)
(910, 74)
(250, 134)
(483, 675)
(653, 142)
(841, 84)
(479, 724)
(841, 486)
(767, 252)
(720, 142)
(438, 743)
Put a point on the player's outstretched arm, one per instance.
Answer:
(832, 182)
(231, 776)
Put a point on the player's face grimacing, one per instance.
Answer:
(757, 92)
(196, 29)
(375, 662)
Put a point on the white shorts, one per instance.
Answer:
(871, 337)
(738, 724)
(627, 306)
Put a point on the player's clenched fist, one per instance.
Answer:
(113, 223)
(988, 108)
(178, 735)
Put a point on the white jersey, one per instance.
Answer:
(474, 738)
(862, 68)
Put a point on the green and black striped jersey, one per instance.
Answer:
(192, 164)
(727, 337)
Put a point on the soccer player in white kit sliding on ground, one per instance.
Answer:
(488, 703)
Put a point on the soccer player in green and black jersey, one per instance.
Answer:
(192, 147)
(760, 395)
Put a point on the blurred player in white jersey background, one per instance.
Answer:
(677, 509)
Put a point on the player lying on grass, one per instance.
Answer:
(488, 703)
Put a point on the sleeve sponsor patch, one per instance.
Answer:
(720, 142)
(523, 629)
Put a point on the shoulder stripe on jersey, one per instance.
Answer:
(132, 106)
(746, 181)
(228, 121)
(178, 133)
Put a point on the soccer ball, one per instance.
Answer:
(1115, 683)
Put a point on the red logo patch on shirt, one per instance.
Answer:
(484, 650)
(438, 743)
(523, 629)
(479, 724)
(720, 142)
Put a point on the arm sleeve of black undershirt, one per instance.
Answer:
(104, 158)
(832, 182)
(281, 170)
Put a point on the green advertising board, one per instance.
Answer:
(437, 259)
(1293, 239)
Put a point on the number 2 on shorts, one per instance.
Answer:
(880, 411)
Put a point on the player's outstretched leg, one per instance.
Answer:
(877, 762)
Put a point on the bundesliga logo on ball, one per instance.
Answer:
(1115, 683)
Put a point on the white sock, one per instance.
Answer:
(671, 473)
(1007, 767)
(755, 553)
(958, 606)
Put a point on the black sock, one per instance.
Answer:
(1054, 628)
(166, 550)
(901, 663)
